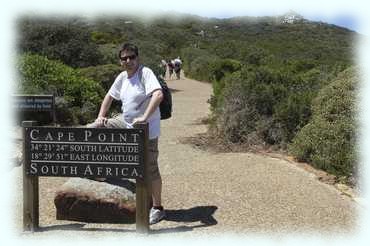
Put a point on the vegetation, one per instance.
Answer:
(328, 141)
(39, 75)
(271, 80)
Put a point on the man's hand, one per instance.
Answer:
(141, 119)
(101, 121)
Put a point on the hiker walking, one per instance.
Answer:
(163, 66)
(129, 89)
(170, 65)
(177, 67)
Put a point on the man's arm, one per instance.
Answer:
(155, 100)
(107, 101)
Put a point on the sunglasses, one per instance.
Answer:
(125, 58)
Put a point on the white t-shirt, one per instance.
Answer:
(135, 98)
(177, 61)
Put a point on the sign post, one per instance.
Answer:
(143, 188)
(90, 152)
(30, 192)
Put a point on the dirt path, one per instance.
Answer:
(251, 192)
(206, 192)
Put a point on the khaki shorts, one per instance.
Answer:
(114, 122)
(153, 169)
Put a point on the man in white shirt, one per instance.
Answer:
(177, 68)
(140, 103)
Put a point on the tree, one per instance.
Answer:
(66, 40)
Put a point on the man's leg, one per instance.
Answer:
(157, 212)
(157, 192)
(153, 172)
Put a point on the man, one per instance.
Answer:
(171, 66)
(177, 67)
(140, 103)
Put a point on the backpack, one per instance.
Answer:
(165, 107)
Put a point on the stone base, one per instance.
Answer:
(92, 201)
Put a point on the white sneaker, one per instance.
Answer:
(156, 215)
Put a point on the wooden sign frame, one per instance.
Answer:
(31, 181)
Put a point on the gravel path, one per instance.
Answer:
(207, 193)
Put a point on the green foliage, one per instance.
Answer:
(109, 53)
(227, 49)
(219, 69)
(292, 113)
(262, 105)
(255, 55)
(77, 98)
(58, 39)
(198, 63)
(238, 117)
(105, 74)
(104, 37)
(328, 141)
(222, 67)
(264, 73)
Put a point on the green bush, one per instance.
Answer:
(237, 118)
(201, 68)
(105, 74)
(292, 113)
(109, 53)
(254, 55)
(328, 141)
(197, 63)
(77, 98)
(261, 104)
(66, 40)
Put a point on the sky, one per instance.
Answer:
(352, 14)
(346, 21)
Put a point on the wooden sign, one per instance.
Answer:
(84, 152)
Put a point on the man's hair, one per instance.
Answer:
(129, 47)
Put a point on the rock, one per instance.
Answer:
(91, 201)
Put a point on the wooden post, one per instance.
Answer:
(143, 189)
(30, 191)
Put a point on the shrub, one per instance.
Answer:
(77, 98)
(197, 63)
(292, 113)
(238, 117)
(59, 39)
(105, 74)
(201, 68)
(109, 53)
(254, 55)
(328, 141)
(219, 69)
(267, 104)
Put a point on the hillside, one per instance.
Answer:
(265, 71)
(165, 36)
